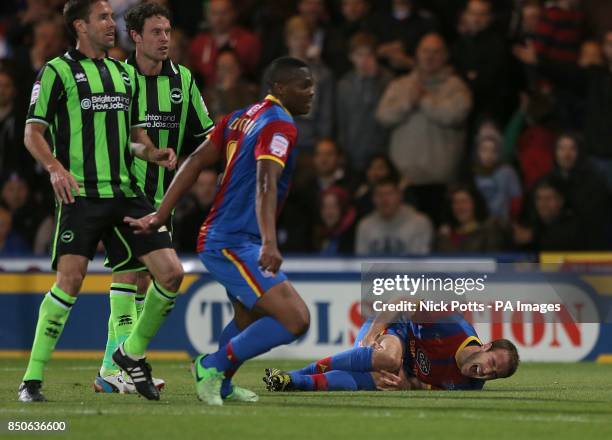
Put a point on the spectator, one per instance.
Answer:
(231, 91)
(532, 146)
(335, 232)
(49, 41)
(399, 30)
(426, 111)
(394, 228)
(596, 83)
(179, 48)
(359, 92)
(553, 226)
(297, 220)
(379, 167)
(356, 19)
(469, 229)
(314, 15)
(26, 214)
(480, 56)
(192, 210)
(11, 244)
(496, 181)
(223, 33)
(527, 24)
(13, 155)
(43, 240)
(319, 122)
(559, 31)
(585, 192)
(590, 54)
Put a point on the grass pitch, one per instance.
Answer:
(552, 401)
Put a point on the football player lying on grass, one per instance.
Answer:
(398, 352)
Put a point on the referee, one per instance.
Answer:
(88, 105)
(174, 109)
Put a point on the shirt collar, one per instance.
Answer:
(77, 55)
(168, 67)
(275, 100)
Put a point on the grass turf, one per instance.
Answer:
(553, 401)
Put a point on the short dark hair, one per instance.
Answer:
(136, 16)
(283, 70)
(77, 10)
(363, 39)
(388, 181)
(504, 344)
(481, 211)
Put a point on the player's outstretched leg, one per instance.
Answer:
(285, 318)
(52, 315)
(167, 272)
(229, 391)
(277, 380)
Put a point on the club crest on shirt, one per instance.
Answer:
(279, 145)
(176, 96)
(423, 362)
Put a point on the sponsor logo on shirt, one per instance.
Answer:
(35, 93)
(80, 77)
(423, 362)
(103, 102)
(279, 145)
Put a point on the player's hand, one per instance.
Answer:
(370, 337)
(388, 381)
(270, 258)
(144, 225)
(63, 183)
(164, 157)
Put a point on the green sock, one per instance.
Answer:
(108, 367)
(158, 303)
(52, 316)
(120, 323)
(140, 300)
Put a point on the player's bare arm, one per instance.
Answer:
(143, 148)
(382, 320)
(62, 181)
(268, 173)
(205, 155)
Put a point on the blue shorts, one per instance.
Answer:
(397, 329)
(237, 269)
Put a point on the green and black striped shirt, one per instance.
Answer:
(173, 106)
(90, 105)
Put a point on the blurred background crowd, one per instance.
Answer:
(439, 126)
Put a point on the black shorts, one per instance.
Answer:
(81, 225)
(120, 258)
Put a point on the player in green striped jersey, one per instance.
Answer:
(174, 110)
(89, 105)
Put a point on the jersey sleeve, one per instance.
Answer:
(139, 101)
(198, 119)
(46, 93)
(217, 134)
(276, 141)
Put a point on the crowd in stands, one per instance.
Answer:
(438, 126)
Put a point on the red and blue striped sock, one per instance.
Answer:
(230, 330)
(355, 359)
(258, 338)
(333, 381)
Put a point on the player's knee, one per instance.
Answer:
(301, 322)
(171, 278)
(70, 282)
(387, 360)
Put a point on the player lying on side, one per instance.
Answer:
(404, 353)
